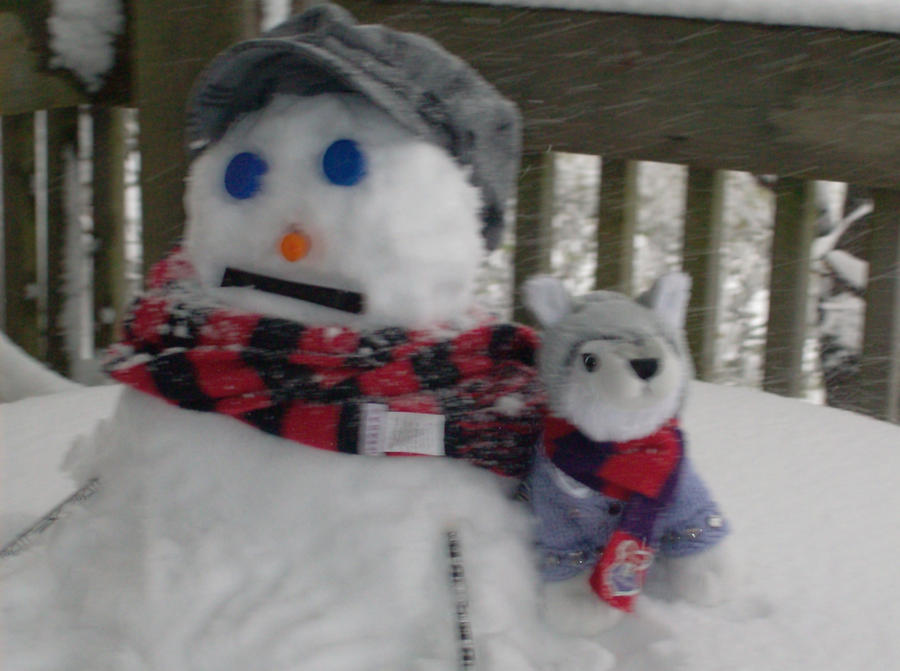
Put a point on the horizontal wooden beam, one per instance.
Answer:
(799, 102)
(28, 82)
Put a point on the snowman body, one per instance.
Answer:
(210, 545)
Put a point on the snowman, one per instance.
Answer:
(311, 464)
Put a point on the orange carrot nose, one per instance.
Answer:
(294, 246)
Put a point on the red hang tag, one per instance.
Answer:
(619, 575)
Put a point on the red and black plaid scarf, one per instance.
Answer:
(643, 473)
(308, 383)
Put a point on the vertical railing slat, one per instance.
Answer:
(534, 214)
(616, 222)
(62, 137)
(109, 222)
(703, 224)
(795, 218)
(171, 42)
(20, 234)
(879, 382)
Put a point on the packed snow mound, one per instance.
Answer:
(227, 557)
(35, 435)
(23, 376)
(210, 545)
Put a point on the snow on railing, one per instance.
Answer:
(874, 15)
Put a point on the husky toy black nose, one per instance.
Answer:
(645, 368)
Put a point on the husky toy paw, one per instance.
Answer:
(706, 579)
(613, 487)
(571, 606)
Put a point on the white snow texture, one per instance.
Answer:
(82, 33)
(878, 15)
(23, 376)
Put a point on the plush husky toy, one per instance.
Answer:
(613, 486)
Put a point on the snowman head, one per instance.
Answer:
(346, 174)
(323, 209)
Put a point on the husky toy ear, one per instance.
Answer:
(547, 299)
(668, 298)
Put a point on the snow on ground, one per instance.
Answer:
(211, 545)
(24, 376)
(878, 15)
(35, 434)
(812, 494)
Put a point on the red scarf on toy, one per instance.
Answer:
(643, 473)
(476, 391)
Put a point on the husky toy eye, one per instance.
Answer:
(590, 362)
(344, 163)
(243, 175)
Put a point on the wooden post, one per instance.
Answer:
(703, 224)
(795, 218)
(171, 42)
(109, 222)
(20, 234)
(26, 83)
(62, 138)
(534, 214)
(879, 380)
(616, 224)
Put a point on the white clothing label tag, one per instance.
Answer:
(384, 431)
(415, 433)
(371, 429)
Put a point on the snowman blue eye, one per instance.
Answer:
(243, 176)
(344, 163)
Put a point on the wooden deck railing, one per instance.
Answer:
(803, 104)
(800, 103)
(164, 46)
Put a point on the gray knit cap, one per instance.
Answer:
(429, 91)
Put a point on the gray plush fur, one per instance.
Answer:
(613, 402)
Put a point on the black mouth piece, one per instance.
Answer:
(337, 299)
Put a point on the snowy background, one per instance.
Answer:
(811, 491)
